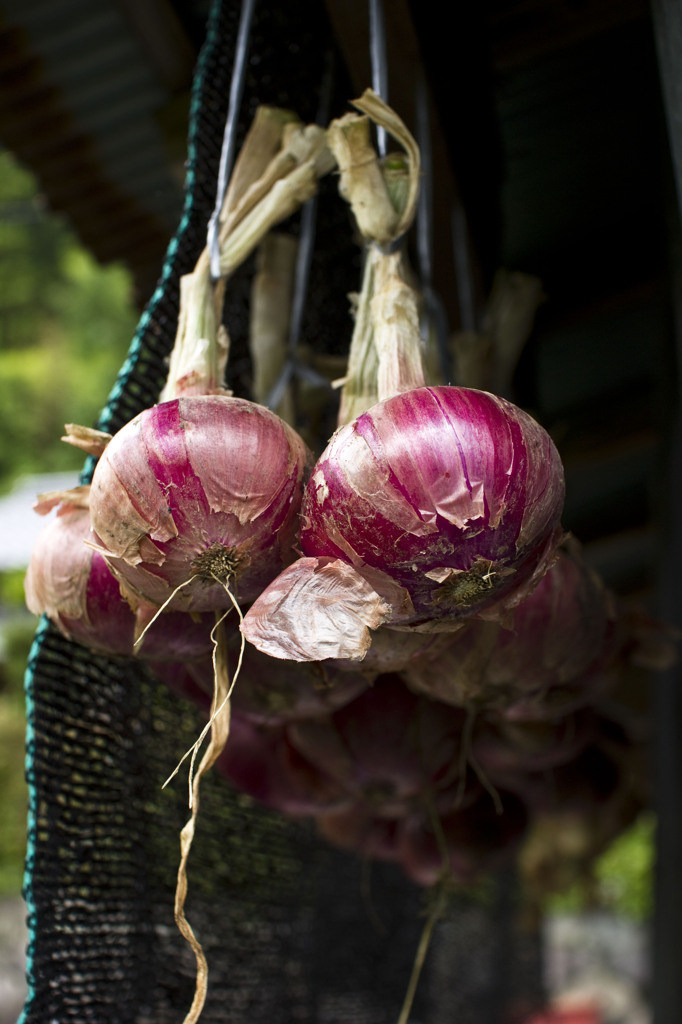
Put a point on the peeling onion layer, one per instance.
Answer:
(456, 494)
(199, 492)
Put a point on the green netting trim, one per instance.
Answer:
(110, 419)
(139, 345)
(27, 891)
(285, 919)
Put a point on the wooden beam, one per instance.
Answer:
(167, 46)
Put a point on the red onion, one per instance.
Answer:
(269, 690)
(387, 746)
(201, 492)
(260, 761)
(454, 493)
(478, 840)
(560, 635)
(71, 583)
(434, 505)
(586, 782)
(500, 747)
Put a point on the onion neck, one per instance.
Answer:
(385, 356)
(199, 356)
(360, 387)
(395, 318)
(277, 171)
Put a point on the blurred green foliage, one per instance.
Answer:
(14, 798)
(622, 877)
(12, 588)
(17, 637)
(65, 327)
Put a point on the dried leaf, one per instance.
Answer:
(317, 608)
(385, 117)
(64, 501)
(90, 441)
(271, 300)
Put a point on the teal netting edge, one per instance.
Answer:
(212, 42)
(168, 269)
(27, 891)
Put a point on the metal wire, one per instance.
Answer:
(424, 223)
(377, 47)
(463, 271)
(434, 309)
(293, 367)
(229, 136)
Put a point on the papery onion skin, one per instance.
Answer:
(456, 494)
(261, 762)
(315, 609)
(552, 651)
(387, 747)
(70, 582)
(194, 486)
(478, 840)
(271, 691)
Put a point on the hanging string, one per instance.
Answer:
(230, 133)
(463, 270)
(377, 49)
(434, 310)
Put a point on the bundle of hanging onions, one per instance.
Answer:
(415, 565)
(553, 652)
(200, 494)
(194, 503)
(430, 504)
(70, 582)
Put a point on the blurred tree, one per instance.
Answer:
(65, 326)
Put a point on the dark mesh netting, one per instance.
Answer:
(293, 929)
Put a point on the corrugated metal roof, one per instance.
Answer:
(83, 106)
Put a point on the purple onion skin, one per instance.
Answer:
(270, 691)
(261, 762)
(109, 624)
(387, 746)
(196, 475)
(478, 840)
(71, 583)
(439, 478)
(172, 636)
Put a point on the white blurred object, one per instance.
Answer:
(13, 940)
(617, 999)
(598, 959)
(19, 524)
